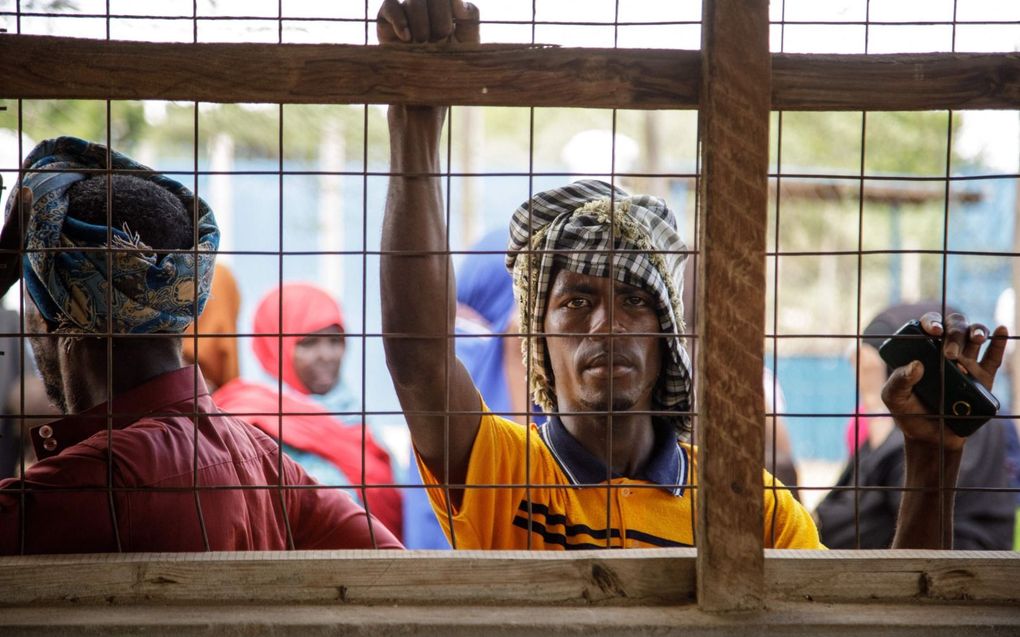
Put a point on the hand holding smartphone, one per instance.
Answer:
(965, 403)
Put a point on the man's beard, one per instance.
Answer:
(603, 403)
(49, 371)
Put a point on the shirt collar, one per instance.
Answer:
(128, 407)
(667, 466)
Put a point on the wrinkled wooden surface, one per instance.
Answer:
(734, 125)
(636, 592)
(492, 75)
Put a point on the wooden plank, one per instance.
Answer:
(901, 82)
(803, 620)
(356, 577)
(598, 578)
(890, 576)
(734, 125)
(299, 73)
(491, 75)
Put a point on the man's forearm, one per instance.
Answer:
(925, 519)
(418, 293)
(419, 300)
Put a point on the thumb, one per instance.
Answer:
(897, 391)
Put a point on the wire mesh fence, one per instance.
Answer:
(868, 210)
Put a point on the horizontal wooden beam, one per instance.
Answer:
(490, 75)
(899, 82)
(601, 578)
(356, 577)
(903, 575)
(435, 620)
(44, 67)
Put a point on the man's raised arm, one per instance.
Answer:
(418, 290)
(925, 518)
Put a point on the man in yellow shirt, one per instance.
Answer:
(598, 278)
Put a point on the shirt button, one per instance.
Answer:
(626, 492)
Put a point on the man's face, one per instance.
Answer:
(583, 366)
(873, 374)
(47, 357)
(317, 359)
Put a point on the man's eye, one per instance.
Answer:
(577, 303)
(636, 301)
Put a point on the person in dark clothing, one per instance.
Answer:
(983, 519)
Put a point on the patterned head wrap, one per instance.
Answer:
(69, 286)
(576, 221)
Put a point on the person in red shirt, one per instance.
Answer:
(144, 461)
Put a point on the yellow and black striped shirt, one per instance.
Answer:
(558, 496)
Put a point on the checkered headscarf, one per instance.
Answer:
(570, 227)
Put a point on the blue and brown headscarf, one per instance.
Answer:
(69, 282)
(578, 227)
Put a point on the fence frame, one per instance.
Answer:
(734, 82)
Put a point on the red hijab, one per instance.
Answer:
(305, 424)
(304, 308)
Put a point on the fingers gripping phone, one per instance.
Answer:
(964, 402)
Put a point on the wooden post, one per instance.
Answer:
(734, 125)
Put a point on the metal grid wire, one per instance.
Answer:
(283, 22)
(877, 192)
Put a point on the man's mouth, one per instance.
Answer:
(599, 365)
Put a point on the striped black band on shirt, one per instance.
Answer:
(573, 530)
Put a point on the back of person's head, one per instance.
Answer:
(107, 247)
(146, 208)
(892, 318)
(139, 207)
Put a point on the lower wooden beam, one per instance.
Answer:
(355, 577)
(894, 576)
(803, 619)
(618, 579)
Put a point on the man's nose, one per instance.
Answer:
(606, 321)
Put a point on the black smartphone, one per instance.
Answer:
(965, 402)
